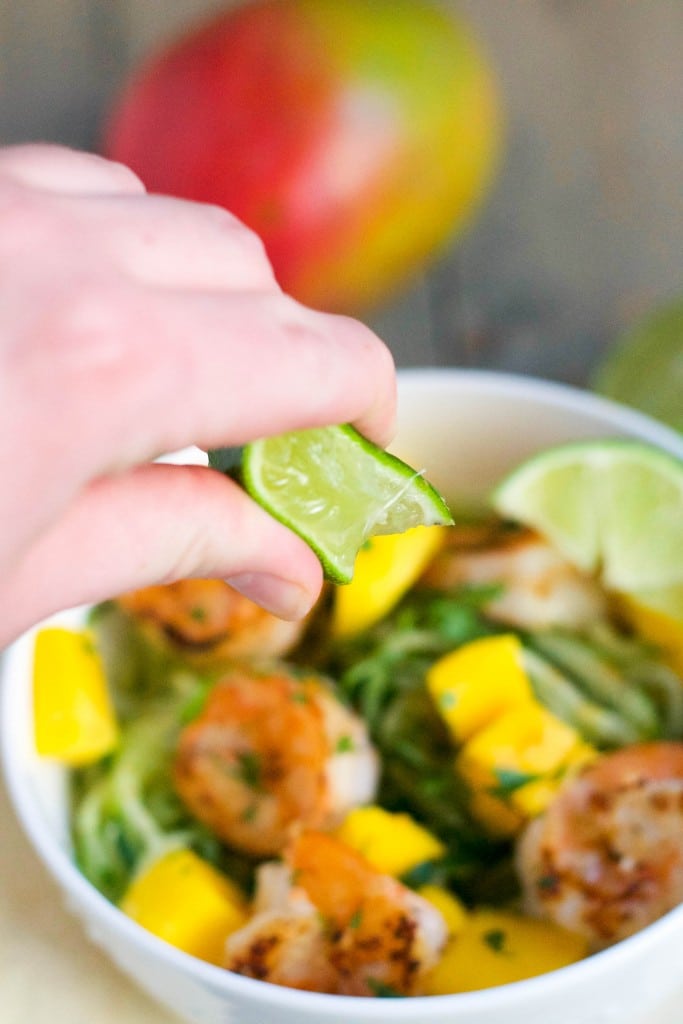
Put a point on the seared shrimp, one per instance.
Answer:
(208, 620)
(269, 752)
(606, 858)
(329, 921)
(539, 587)
(285, 942)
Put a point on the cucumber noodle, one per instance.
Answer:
(611, 688)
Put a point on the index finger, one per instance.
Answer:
(161, 370)
(58, 169)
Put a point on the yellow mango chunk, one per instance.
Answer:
(392, 842)
(497, 947)
(73, 716)
(447, 903)
(476, 683)
(385, 568)
(185, 901)
(516, 764)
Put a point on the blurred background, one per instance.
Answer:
(581, 232)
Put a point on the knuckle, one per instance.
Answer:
(121, 176)
(43, 164)
(88, 325)
(249, 243)
(252, 243)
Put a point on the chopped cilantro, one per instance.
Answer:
(428, 872)
(249, 813)
(250, 769)
(356, 918)
(382, 990)
(495, 939)
(509, 780)
(88, 646)
(344, 745)
(195, 704)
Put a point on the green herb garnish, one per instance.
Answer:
(495, 939)
(250, 769)
(382, 990)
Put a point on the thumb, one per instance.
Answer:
(156, 524)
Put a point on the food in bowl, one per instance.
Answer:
(466, 770)
(492, 422)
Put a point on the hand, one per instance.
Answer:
(133, 325)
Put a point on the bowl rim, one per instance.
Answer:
(94, 906)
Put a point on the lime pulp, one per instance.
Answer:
(335, 489)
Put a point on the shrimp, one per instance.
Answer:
(364, 933)
(540, 588)
(270, 751)
(285, 942)
(606, 858)
(206, 620)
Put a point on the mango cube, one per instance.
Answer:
(185, 901)
(497, 947)
(392, 842)
(386, 566)
(516, 763)
(479, 681)
(74, 720)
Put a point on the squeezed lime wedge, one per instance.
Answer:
(335, 489)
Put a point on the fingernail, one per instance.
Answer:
(281, 597)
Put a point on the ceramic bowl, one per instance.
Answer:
(465, 428)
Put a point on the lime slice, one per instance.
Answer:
(645, 368)
(613, 508)
(335, 489)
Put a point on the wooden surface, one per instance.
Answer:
(585, 228)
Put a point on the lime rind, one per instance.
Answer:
(335, 489)
(644, 369)
(613, 507)
(550, 494)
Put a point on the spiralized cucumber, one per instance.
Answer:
(601, 680)
(559, 694)
(612, 689)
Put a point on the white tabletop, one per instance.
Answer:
(49, 972)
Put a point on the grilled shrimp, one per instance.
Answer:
(271, 751)
(606, 858)
(329, 921)
(539, 587)
(208, 620)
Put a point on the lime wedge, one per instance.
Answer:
(612, 507)
(335, 489)
(645, 368)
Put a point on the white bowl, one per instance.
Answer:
(465, 428)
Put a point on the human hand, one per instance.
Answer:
(133, 325)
